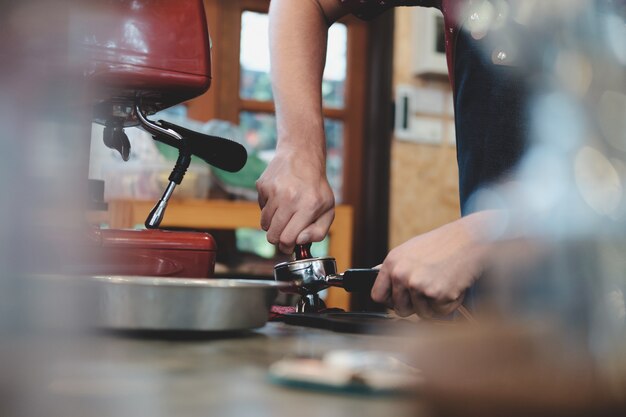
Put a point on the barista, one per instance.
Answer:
(431, 273)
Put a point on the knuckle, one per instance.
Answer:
(312, 202)
(431, 292)
(401, 273)
(440, 293)
(416, 287)
(290, 194)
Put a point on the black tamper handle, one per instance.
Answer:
(303, 252)
(359, 280)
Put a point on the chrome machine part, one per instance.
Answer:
(156, 214)
(153, 128)
(158, 211)
(122, 110)
(310, 303)
(305, 276)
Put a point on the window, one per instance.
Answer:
(255, 90)
(241, 89)
(255, 61)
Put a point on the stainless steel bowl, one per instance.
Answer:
(305, 276)
(156, 303)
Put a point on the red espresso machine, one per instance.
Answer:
(143, 56)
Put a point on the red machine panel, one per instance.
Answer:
(152, 253)
(154, 49)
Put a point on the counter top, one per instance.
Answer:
(224, 375)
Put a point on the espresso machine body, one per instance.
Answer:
(142, 56)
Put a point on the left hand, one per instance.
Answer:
(430, 273)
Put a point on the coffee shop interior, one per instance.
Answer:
(370, 169)
(138, 279)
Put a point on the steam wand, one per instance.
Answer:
(182, 163)
(219, 152)
(176, 177)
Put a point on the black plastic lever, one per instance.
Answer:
(359, 280)
(219, 152)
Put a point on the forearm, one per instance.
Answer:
(298, 36)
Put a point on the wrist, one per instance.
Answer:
(479, 230)
(307, 143)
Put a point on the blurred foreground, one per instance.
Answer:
(551, 338)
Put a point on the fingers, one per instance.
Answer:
(303, 228)
(444, 308)
(285, 227)
(422, 305)
(318, 229)
(281, 217)
(393, 295)
(301, 222)
(403, 289)
(390, 289)
(261, 196)
(287, 238)
(381, 291)
(267, 214)
(402, 303)
(298, 209)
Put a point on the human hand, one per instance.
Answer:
(296, 200)
(430, 273)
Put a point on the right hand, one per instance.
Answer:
(296, 200)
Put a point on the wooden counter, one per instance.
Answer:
(221, 376)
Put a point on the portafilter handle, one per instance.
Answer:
(176, 177)
(354, 280)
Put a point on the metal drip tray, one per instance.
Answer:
(147, 303)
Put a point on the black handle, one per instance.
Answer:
(219, 152)
(359, 280)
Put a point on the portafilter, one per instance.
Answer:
(308, 275)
